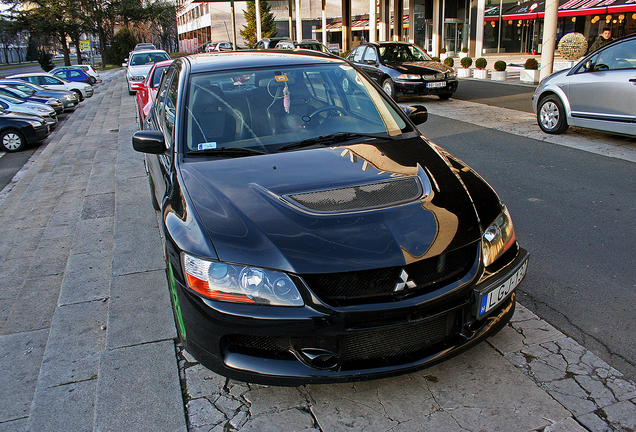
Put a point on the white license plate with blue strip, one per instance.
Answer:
(494, 297)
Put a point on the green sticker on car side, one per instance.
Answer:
(175, 301)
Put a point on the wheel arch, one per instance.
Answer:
(558, 92)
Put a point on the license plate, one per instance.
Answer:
(436, 84)
(496, 296)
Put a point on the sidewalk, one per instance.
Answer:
(87, 338)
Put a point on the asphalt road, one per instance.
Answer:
(573, 211)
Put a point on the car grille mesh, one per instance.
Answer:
(362, 197)
(368, 348)
(377, 285)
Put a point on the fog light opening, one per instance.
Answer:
(318, 358)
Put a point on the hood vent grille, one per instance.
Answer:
(363, 197)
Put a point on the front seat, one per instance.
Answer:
(212, 119)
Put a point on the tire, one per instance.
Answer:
(551, 115)
(79, 95)
(12, 140)
(444, 96)
(387, 86)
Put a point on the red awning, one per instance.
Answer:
(567, 8)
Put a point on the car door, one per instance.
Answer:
(602, 91)
(371, 64)
(52, 83)
(163, 119)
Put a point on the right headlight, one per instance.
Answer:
(498, 238)
(240, 284)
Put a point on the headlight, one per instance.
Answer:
(409, 77)
(498, 238)
(240, 284)
(35, 123)
(44, 110)
(137, 78)
(451, 74)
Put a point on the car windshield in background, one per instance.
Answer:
(141, 59)
(402, 53)
(267, 109)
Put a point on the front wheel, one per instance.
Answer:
(387, 86)
(551, 115)
(444, 96)
(80, 96)
(12, 141)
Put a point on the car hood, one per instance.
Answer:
(141, 70)
(249, 207)
(13, 115)
(420, 67)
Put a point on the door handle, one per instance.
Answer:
(633, 80)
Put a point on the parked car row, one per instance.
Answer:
(30, 103)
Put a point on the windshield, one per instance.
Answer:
(267, 109)
(402, 53)
(15, 92)
(141, 59)
(11, 99)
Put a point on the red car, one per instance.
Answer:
(147, 90)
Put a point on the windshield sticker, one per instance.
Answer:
(206, 146)
(281, 78)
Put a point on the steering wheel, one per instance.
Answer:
(342, 111)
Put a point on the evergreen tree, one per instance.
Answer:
(268, 26)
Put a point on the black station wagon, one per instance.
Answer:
(312, 234)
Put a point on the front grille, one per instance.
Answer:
(378, 285)
(362, 197)
(364, 349)
(399, 345)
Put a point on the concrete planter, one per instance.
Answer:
(464, 72)
(463, 54)
(529, 76)
(498, 75)
(480, 73)
(442, 57)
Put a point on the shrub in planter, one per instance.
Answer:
(465, 49)
(442, 51)
(481, 63)
(435, 59)
(531, 64)
(448, 61)
(466, 62)
(500, 65)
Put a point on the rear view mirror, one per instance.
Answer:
(147, 141)
(417, 113)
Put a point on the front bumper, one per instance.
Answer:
(317, 343)
(419, 88)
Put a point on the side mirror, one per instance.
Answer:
(417, 113)
(147, 141)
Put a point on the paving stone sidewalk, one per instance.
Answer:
(87, 335)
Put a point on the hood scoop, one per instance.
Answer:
(368, 196)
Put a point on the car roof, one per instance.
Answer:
(247, 59)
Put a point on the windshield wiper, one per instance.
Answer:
(228, 151)
(332, 138)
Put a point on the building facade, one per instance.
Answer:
(481, 26)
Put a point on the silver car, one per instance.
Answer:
(9, 103)
(139, 64)
(597, 93)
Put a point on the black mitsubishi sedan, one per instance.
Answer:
(403, 69)
(312, 234)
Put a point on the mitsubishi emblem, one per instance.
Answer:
(404, 282)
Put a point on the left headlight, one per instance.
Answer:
(240, 284)
(451, 74)
(409, 77)
(137, 78)
(498, 238)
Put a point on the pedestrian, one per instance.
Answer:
(603, 39)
